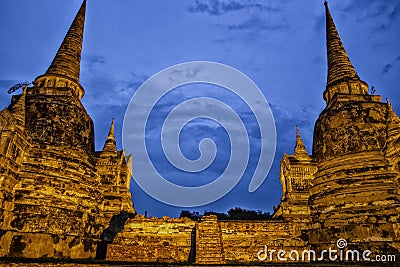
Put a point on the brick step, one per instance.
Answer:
(209, 241)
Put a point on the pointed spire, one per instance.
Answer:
(68, 57)
(300, 148)
(111, 133)
(110, 144)
(340, 69)
(339, 65)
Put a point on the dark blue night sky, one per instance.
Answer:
(280, 45)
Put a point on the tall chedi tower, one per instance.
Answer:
(53, 203)
(355, 192)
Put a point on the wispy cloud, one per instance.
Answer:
(107, 90)
(91, 60)
(133, 82)
(255, 27)
(395, 14)
(220, 7)
(255, 24)
(242, 20)
(384, 14)
(389, 66)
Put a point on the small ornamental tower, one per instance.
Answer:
(296, 173)
(114, 169)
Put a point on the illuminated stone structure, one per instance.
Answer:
(296, 173)
(58, 195)
(355, 192)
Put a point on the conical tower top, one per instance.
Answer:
(68, 58)
(339, 65)
(110, 145)
(340, 69)
(111, 133)
(65, 68)
(300, 148)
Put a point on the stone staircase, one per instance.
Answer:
(209, 241)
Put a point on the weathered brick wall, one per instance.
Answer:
(243, 239)
(172, 240)
(153, 240)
